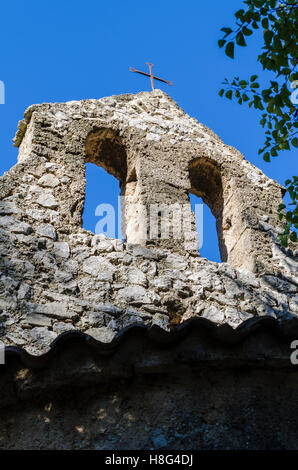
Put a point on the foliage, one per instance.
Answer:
(278, 102)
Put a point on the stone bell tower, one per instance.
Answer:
(78, 309)
(159, 155)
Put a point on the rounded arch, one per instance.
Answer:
(206, 183)
(105, 148)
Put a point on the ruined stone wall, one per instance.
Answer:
(204, 410)
(56, 276)
(204, 388)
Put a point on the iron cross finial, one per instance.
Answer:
(150, 74)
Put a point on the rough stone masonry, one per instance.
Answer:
(56, 276)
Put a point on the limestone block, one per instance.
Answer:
(8, 208)
(24, 291)
(105, 335)
(175, 261)
(279, 284)
(133, 275)
(162, 321)
(54, 309)
(61, 249)
(46, 230)
(15, 226)
(60, 327)
(48, 181)
(214, 314)
(99, 267)
(43, 336)
(134, 295)
(47, 200)
(36, 319)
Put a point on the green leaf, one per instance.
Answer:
(295, 142)
(258, 3)
(268, 35)
(221, 42)
(283, 240)
(253, 78)
(239, 13)
(266, 157)
(229, 94)
(293, 237)
(246, 31)
(221, 92)
(281, 207)
(226, 30)
(240, 39)
(230, 49)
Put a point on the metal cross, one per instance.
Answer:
(152, 77)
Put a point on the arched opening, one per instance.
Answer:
(207, 233)
(206, 187)
(106, 180)
(104, 147)
(102, 190)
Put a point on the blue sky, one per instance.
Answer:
(72, 50)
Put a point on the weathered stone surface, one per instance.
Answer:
(279, 284)
(54, 271)
(135, 276)
(61, 249)
(248, 278)
(47, 200)
(105, 335)
(293, 303)
(110, 309)
(162, 321)
(46, 230)
(102, 245)
(139, 250)
(43, 336)
(38, 320)
(24, 291)
(163, 283)
(94, 319)
(13, 225)
(55, 309)
(61, 327)
(8, 208)
(174, 261)
(133, 295)
(36, 214)
(56, 277)
(99, 267)
(214, 314)
(48, 181)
